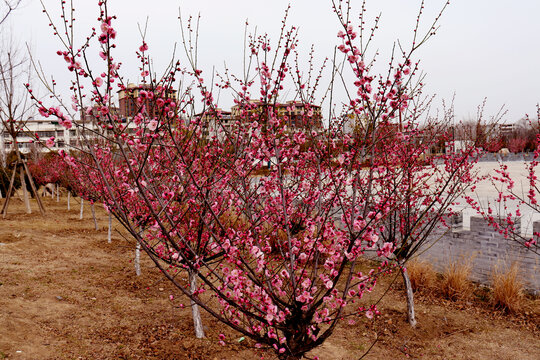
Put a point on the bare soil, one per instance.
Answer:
(65, 293)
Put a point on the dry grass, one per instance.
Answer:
(508, 289)
(422, 275)
(455, 282)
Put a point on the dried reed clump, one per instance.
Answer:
(422, 275)
(455, 282)
(508, 290)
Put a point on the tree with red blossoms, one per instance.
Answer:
(427, 187)
(276, 256)
(494, 145)
(517, 144)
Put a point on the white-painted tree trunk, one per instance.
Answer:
(57, 193)
(410, 297)
(82, 209)
(195, 313)
(69, 198)
(110, 228)
(94, 216)
(138, 259)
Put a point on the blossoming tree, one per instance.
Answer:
(274, 256)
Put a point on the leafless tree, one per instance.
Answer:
(15, 110)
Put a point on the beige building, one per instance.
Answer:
(295, 115)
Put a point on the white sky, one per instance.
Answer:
(484, 48)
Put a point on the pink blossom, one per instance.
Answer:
(152, 125)
(50, 142)
(43, 112)
(369, 314)
(328, 284)
(387, 249)
(65, 123)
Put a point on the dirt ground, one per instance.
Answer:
(65, 293)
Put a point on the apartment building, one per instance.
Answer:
(295, 115)
(130, 105)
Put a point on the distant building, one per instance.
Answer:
(507, 130)
(294, 114)
(95, 113)
(130, 106)
(351, 123)
(42, 129)
(216, 122)
(37, 131)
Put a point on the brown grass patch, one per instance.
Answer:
(455, 282)
(508, 289)
(422, 275)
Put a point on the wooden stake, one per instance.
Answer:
(34, 189)
(8, 195)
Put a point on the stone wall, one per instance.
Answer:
(485, 248)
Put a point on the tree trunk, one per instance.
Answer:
(25, 191)
(57, 193)
(410, 297)
(94, 216)
(196, 314)
(138, 259)
(82, 209)
(110, 226)
(69, 198)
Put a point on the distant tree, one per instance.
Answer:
(517, 144)
(15, 110)
(7, 7)
(495, 144)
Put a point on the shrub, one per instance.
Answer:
(507, 289)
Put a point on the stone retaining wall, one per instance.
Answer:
(485, 248)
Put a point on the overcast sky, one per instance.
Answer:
(483, 49)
